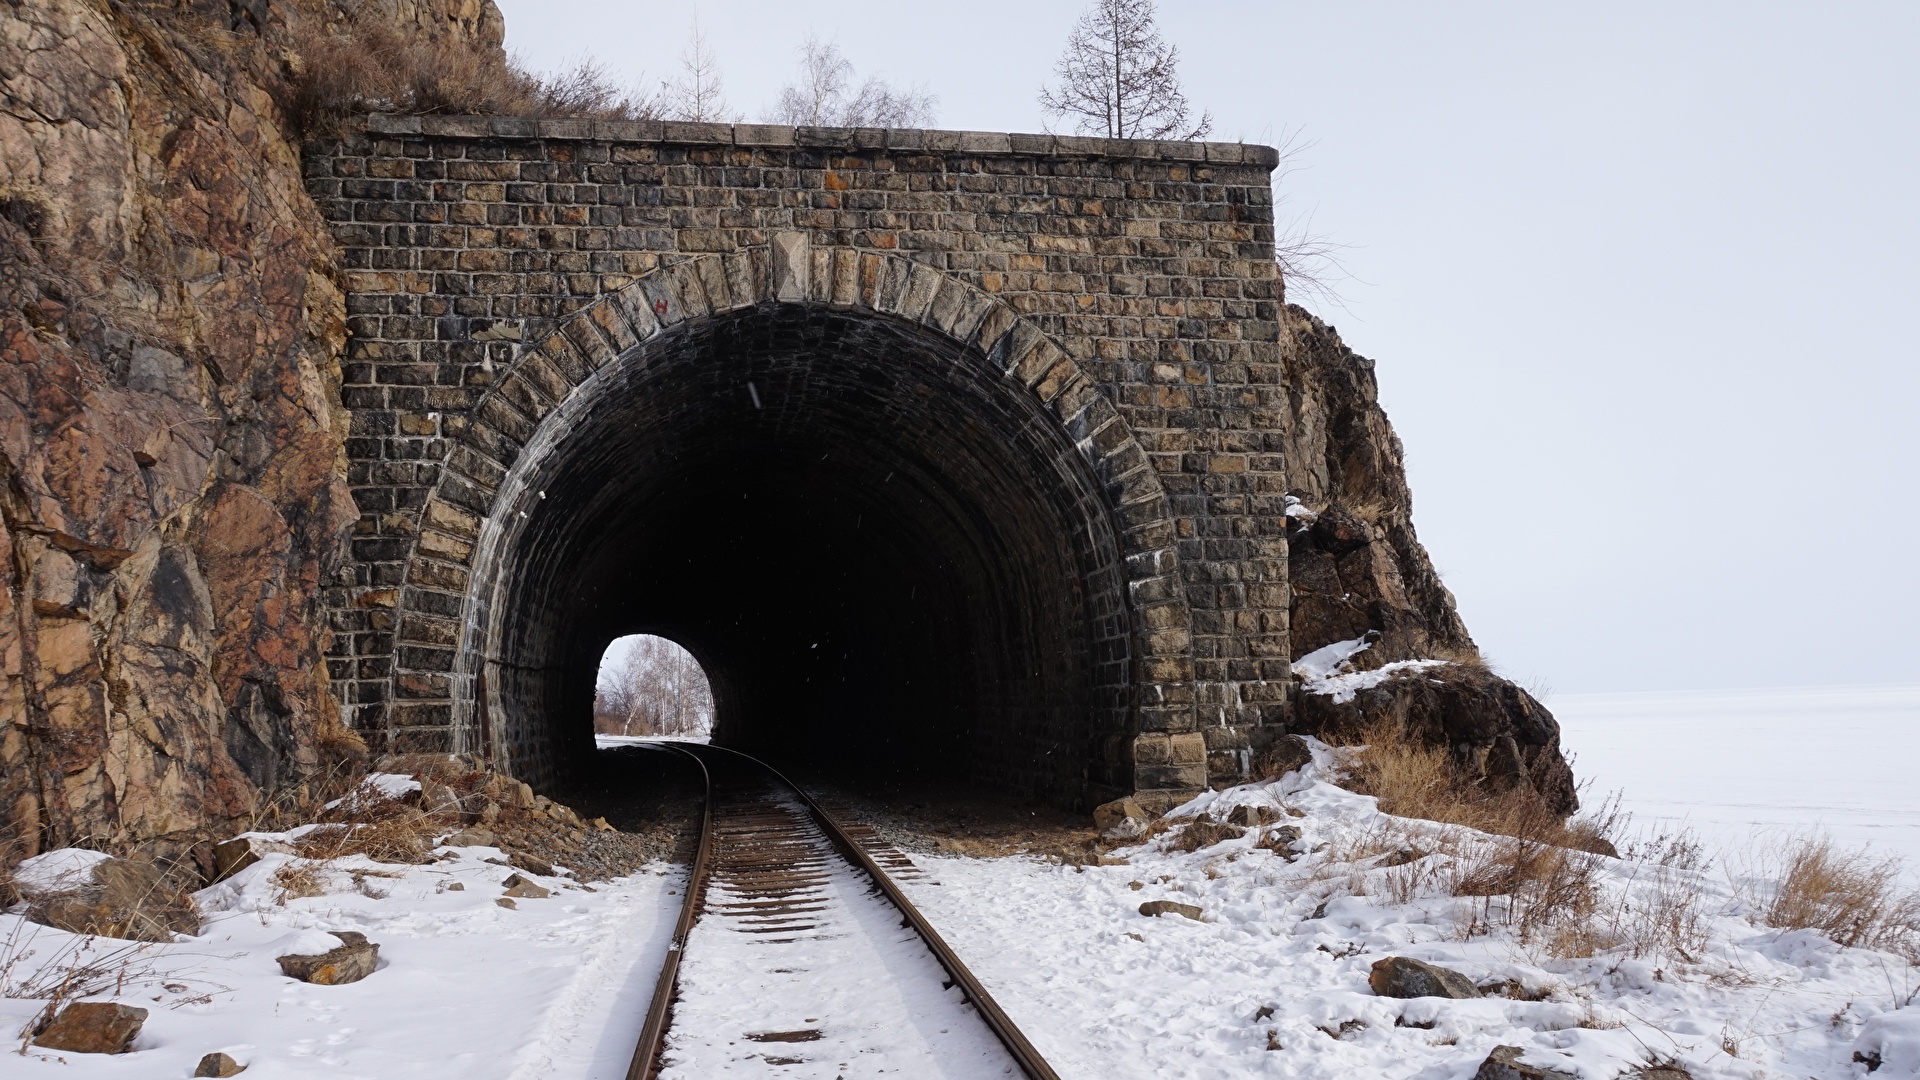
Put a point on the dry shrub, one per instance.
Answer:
(381, 829)
(365, 66)
(295, 880)
(1541, 893)
(1852, 897)
(1416, 780)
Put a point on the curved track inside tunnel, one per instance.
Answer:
(880, 557)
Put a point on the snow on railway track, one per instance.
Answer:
(797, 956)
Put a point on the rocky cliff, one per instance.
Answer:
(170, 431)
(1358, 573)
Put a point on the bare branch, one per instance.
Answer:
(821, 97)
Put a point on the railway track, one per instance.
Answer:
(796, 953)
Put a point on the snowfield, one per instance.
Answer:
(1675, 966)
(1736, 764)
(1273, 982)
(465, 989)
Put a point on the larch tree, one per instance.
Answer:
(1119, 78)
(823, 96)
(699, 94)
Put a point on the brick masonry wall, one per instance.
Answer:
(1151, 264)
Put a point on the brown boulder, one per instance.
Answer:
(1405, 977)
(232, 856)
(93, 1027)
(118, 898)
(1501, 735)
(354, 960)
(1121, 819)
(521, 888)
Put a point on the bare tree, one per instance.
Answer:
(821, 97)
(699, 94)
(657, 688)
(1118, 78)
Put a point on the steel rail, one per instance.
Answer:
(646, 1055)
(653, 1034)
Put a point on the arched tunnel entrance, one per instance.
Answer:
(886, 556)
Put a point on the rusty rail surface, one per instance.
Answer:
(646, 1055)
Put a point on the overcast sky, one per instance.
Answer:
(1641, 279)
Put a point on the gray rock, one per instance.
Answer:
(93, 1027)
(1505, 1064)
(1405, 977)
(1168, 907)
(354, 960)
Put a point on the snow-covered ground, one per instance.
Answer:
(1273, 981)
(466, 989)
(1733, 764)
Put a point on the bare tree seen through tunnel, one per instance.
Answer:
(651, 686)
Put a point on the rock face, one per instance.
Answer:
(1358, 571)
(172, 467)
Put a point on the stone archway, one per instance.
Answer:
(1056, 507)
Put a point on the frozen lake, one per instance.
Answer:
(1736, 764)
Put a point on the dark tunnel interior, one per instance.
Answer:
(887, 558)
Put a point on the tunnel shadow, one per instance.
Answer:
(887, 563)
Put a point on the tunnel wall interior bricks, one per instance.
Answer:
(940, 450)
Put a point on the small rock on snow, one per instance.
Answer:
(1405, 977)
(1121, 819)
(521, 887)
(354, 960)
(1505, 1064)
(218, 1064)
(1168, 907)
(93, 1027)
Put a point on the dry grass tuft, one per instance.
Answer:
(1851, 897)
(295, 880)
(366, 66)
(1413, 779)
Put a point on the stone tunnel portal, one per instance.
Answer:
(885, 558)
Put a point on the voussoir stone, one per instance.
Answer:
(1405, 977)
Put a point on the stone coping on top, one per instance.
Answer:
(826, 138)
